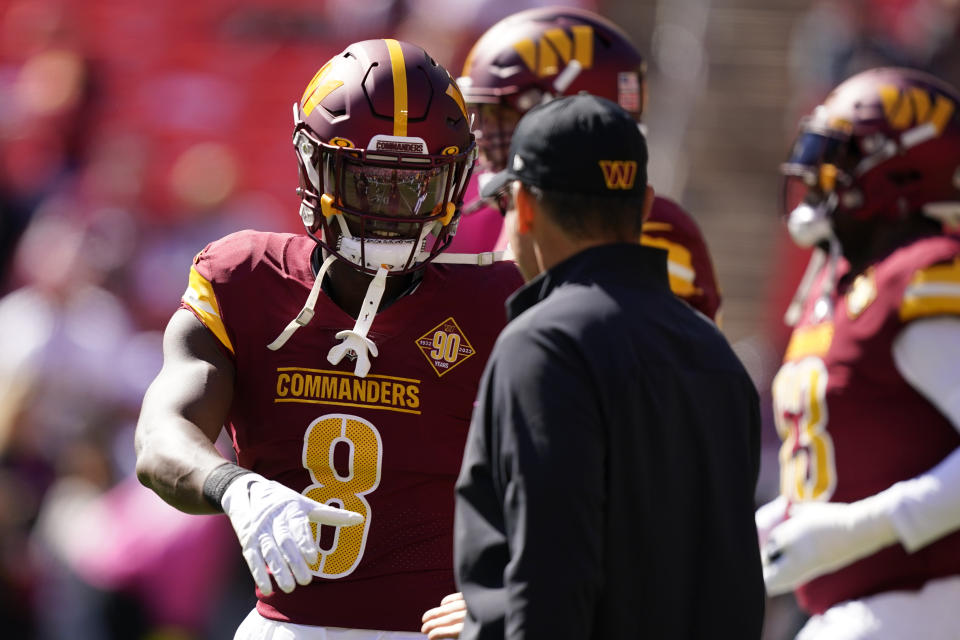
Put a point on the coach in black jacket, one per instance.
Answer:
(607, 485)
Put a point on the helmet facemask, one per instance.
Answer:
(391, 208)
(818, 183)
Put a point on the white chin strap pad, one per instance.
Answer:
(392, 254)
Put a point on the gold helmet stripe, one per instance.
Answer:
(317, 90)
(454, 92)
(400, 108)
(934, 290)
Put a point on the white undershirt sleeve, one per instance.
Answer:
(927, 355)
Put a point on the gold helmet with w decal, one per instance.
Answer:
(884, 145)
(535, 55)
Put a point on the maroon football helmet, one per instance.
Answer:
(885, 144)
(384, 148)
(535, 55)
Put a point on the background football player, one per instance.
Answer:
(345, 360)
(536, 55)
(867, 401)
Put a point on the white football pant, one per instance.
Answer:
(256, 627)
(932, 613)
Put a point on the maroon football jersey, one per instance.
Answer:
(387, 446)
(851, 425)
(689, 265)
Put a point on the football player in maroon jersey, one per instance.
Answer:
(345, 361)
(539, 54)
(866, 527)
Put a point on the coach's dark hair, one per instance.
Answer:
(589, 216)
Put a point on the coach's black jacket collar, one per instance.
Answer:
(624, 263)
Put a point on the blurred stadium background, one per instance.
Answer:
(133, 133)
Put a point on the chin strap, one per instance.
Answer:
(824, 305)
(792, 316)
(306, 314)
(481, 259)
(823, 309)
(356, 340)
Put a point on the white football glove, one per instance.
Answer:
(769, 516)
(273, 524)
(821, 537)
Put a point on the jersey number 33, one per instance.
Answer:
(807, 468)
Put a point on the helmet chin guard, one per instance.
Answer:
(375, 253)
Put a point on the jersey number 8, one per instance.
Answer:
(345, 484)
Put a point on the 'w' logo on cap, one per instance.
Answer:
(619, 174)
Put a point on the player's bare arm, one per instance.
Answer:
(182, 414)
(183, 411)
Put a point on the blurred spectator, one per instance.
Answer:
(124, 554)
(205, 205)
(838, 38)
(47, 89)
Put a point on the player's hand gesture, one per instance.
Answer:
(821, 537)
(272, 522)
(769, 516)
(445, 621)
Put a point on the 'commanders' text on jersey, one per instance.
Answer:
(851, 425)
(387, 445)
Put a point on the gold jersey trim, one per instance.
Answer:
(200, 297)
(932, 291)
(810, 341)
(679, 262)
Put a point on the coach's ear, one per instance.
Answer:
(524, 204)
(648, 203)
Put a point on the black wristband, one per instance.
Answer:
(218, 480)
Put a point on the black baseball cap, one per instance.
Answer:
(576, 144)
